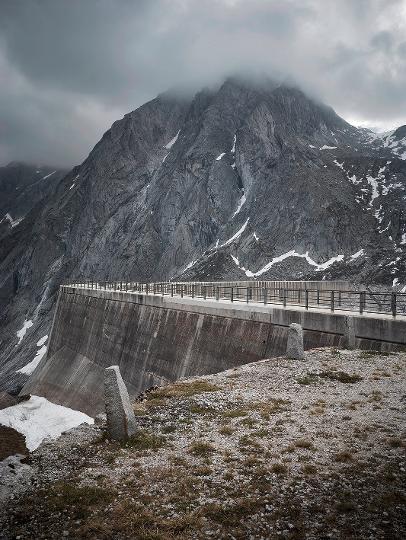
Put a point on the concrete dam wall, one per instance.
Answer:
(157, 339)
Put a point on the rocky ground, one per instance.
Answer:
(281, 448)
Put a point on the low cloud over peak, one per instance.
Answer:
(68, 69)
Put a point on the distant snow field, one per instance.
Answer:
(38, 418)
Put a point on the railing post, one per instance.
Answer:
(248, 295)
(232, 294)
(361, 302)
(284, 297)
(162, 289)
(339, 298)
(181, 291)
(153, 288)
(306, 299)
(204, 292)
(299, 296)
(393, 304)
(147, 288)
(318, 297)
(171, 289)
(265, 293)
(332, 300)
(217, 293)
(193, 291)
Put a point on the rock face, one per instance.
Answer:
(120, 415)
(294, 348)
(22, 187)
(260, 172)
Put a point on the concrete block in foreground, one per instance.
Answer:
(120, 415)
(295, 347)
(349, 333)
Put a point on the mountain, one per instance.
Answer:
(22, 186)
(244, 180)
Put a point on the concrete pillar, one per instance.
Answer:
(295, 347)
(120, 415)
(349, 333)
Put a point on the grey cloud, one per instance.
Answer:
(69, 68)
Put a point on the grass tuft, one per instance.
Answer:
(201, 449)
(144, 440)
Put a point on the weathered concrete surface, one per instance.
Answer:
(349, 333)
(156, 339)
(121, 422)
(294, 348)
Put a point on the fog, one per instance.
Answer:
(69, 68)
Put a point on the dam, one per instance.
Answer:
(158, 333)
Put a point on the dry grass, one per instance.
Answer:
(305, 444)
(144, 440)
(182, 389)
(344, 457)
(201, 449)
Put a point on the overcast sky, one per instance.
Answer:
(69, 68)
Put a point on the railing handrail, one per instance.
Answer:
(335, 299)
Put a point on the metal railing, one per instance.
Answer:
(388, 302)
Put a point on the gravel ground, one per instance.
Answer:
(280, 448)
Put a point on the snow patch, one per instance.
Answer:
(29, 368)
(21, 333)
(42, 341)
(325, 147)
(341, 165)
(374, 184)
(240, 205)
(234, 141)
(190, 265)
(256, 237)
(13, 222)
(48, 175)
(358, 254)
(220, 156)
(236, 235)
(293, 253)
(38, 418)
(169, 145)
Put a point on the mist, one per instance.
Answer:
(68, 69)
